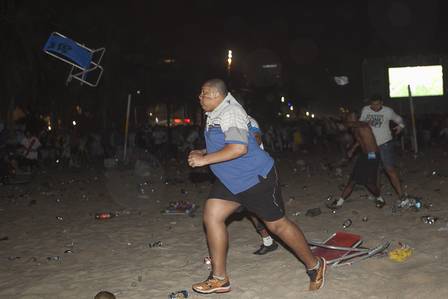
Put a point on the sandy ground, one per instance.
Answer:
(115, 255)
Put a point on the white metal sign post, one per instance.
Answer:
(414, 130)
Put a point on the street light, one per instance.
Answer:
(307, 113)
(282, 99)
(229, 60)
(291, 108)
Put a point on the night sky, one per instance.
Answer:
(312, 41)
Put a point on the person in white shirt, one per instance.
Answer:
(30, 144)
(379, 118)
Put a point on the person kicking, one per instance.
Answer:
(365, 171)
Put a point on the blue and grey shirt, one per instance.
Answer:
(229, 124)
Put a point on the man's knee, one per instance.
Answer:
(217, 211)
(391, 171)
(277, 226)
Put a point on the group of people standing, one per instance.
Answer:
(247, 179)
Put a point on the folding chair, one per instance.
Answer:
(343, 248)
(84, 61)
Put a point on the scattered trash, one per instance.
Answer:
(365, 219)
(296, 213)
(400, 254)
(68, 251)
(104, 295)
(410, 202)
(104, 215)
(141, 189)
(54, 258)
(180, 208)
(429, 219)
(347, 223)
(178, 295)
(60, 218)
(313, 212)
(155, 244)
(183, 191)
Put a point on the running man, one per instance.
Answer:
(246, 176)
(365, 171)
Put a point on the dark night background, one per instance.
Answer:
(310, 41)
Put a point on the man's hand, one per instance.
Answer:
(352, 150)
(199, 152)
(196, 158)
(350, 153)
(397, 129)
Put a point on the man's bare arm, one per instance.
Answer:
(229, 152)
(352, 149)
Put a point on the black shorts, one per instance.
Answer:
(365, 171)
(264, 199)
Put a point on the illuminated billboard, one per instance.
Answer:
(424, 81)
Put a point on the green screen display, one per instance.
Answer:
(424, 81)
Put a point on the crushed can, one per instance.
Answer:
(178, 295)
(429, 219)
(347, 223)
(104, 215)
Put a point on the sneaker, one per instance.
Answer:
(335, 204)
(212, 285)
(317, 276)
(266, 249)
(380, 203)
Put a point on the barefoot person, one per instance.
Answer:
(246, 176)
(365, 171)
